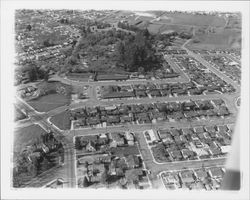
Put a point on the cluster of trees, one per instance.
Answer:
(93, 45)
(32, 72)
(36, 73)
(127, 26)
(135, 53)
(30, 164)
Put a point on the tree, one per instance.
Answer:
(32, 73)
(85, 182)
(86, 164)
(29, 27)
(78, 145)
(104, 177)
(137, 52)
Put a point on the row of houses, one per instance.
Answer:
(146, 113)
(95, 143)
(202, 179)
(199, 84)
(236, 53)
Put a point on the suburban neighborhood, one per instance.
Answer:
(124, 99)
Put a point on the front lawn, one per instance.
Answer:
(62, 120)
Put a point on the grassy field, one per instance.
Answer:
(177, 28)
(62, 120)
(49, 102)
(222, 39)
(196, 20)
(154, 28)
(52, 95)
(26, 136)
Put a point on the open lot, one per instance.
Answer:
(49, 102)
(221, 39)
(196, 20)
(62, 120)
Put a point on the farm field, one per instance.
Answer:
(62, 120)
(26, 136)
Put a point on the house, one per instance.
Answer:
(155, 93)
(130, 138)
(167, 138)
(95, 179)
(225, 149)
(187, 153)
(210, 128)
(216, 172)
(141, 93)
(125, 118)
(199, 129)
(171, 178)
(112, 168)
(198, 144)
(217, 102)
(117, 140)
(187, 177)
(174, 132)
(91, 146)
(132, 161)
(45, 148)
(151, 135)
(96, 168)
(189, 105)
(222, 128)
(186, 131)
(201, 174)
(165, 92)
(113, 120)
(214, 151)
(176, 155)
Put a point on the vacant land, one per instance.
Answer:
(125, 151)
(196, 20)
(49, 102)
(221, 39)
(62, 120)
(26, 136)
